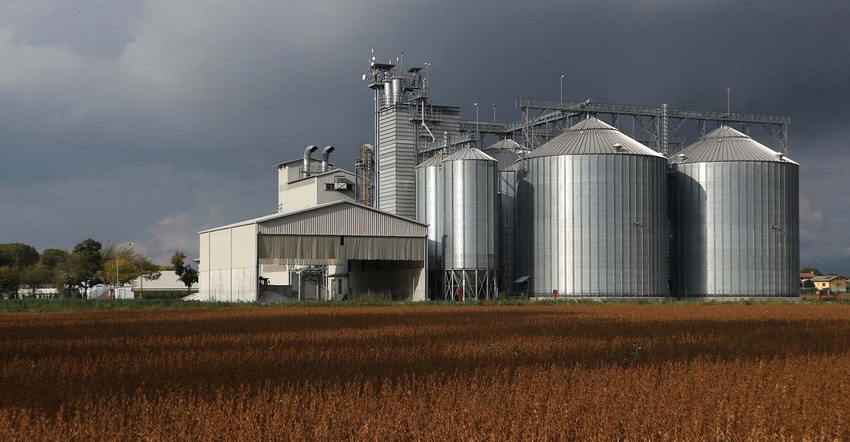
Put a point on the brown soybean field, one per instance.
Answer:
(531, 372)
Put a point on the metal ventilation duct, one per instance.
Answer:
(326, 154)
(305, 168)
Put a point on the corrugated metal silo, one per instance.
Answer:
(597, 202)
(506, 153)
(429, 209)
(524, 235)
(736, 219)
(469, 227)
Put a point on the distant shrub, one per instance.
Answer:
(162, 294)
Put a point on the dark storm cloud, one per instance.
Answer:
(95, 28)
(170, 115)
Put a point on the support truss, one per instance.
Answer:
(659, 124)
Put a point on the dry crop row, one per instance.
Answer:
(663, 372)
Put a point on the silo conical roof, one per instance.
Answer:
(505, 152)
(727, 144)
(433, 161)
(506, 143)
(469, 153)
(592, 137)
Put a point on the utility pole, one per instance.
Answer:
(562, 87)
(477, 130)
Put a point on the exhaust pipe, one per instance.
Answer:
(305, 169)
(326, 154)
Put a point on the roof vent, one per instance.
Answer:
(305, 168)
(618, 147)
(681, 158)
(780, 156)
(326, 155)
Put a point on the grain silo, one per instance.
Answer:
(735, 212)
(469, 226)
(429, 209)
(597, 203)
(506, 153)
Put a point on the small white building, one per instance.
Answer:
(123, 292)
(168, 281)
(318, 245)
(308, 182)
(325, 252)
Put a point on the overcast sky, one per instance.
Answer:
(146, 121)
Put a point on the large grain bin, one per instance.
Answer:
(597, 203)
(506, 153)
(469, 226)
(735, 212)
(429, 209)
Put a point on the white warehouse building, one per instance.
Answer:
(318, 245)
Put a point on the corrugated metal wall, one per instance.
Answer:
(469, 194)
(396, 160)
(524, 237)
(429, 209)
(736, 229)
(329, 250)
(597, 227)
(397, 144)
(505, 244)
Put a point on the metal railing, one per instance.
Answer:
(589, 106)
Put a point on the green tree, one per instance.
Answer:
(126, 265)
(18, 255)
(36, 275)
(53, 258)
(808, 284)
(188, 275)
(85, 262)
(10, 280)
(55, 263)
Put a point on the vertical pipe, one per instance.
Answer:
(305, 168)
(663, 134)
(388, 93)
(326, 154)
(377, 183)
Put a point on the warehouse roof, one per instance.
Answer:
(592, 137)
(338, 218)
(727, 144)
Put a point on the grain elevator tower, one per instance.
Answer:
(404, 120)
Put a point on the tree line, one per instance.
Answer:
(86, 265)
